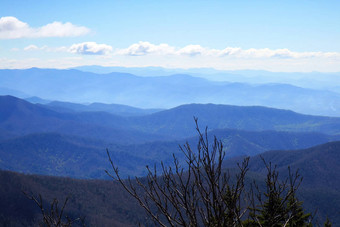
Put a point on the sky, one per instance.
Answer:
(280, 36)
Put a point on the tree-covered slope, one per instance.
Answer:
(319, 164)
(62, 155)
(110, 205)
(102, 203)
(54, 154)
(319, 167)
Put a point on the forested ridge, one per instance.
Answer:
(105, 203)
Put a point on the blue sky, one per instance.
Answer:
(271, 35)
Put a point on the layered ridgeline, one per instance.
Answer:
(113, 207)
(21, 117)
(162, 92)
(37, 139)
(315, 80)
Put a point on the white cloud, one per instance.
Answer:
(90, 48)
(58, 29)
(31, 47)
(12, 28)
(278, 53)
(192, 50)
(266, 53)
(230, 51)
(144, 48)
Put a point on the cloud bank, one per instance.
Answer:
(193, 51)
(143, 54)
(12, 28)
(146, 48)
(90, 48)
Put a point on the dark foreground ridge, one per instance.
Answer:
(110, 205)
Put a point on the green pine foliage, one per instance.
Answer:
(296, 213)
(278, 205)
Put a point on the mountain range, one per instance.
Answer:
(65, 120)
(63, 123)
(36, 139)
(163, 91)
(314, 80)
